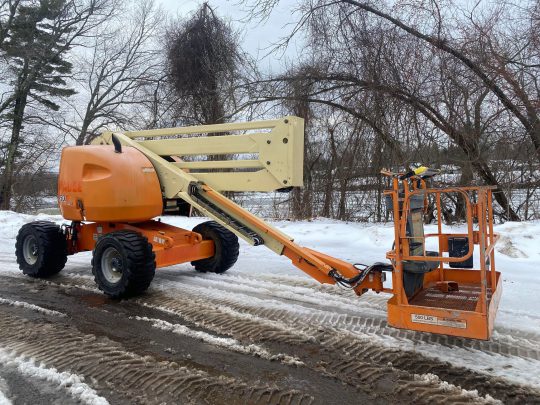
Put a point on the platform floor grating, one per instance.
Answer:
(464, 300)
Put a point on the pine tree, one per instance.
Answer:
(35, 49)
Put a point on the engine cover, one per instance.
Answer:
(97, 184)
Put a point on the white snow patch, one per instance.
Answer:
(506, 247)
(447, 387)
(72, 383)
(68, 286)
(4, 400)
(32, 307)
(227, 343)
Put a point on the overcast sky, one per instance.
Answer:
(257, 38)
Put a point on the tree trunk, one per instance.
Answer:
(13, 148)
(328, 192)
(302, 199)
(465, 180)
(342, 212)
(81, 138)
(376, 166)
(535, 136)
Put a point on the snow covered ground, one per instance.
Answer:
(262, 281)
(63, 381)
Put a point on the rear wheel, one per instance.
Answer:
(41, 249)
(226, 248)
(123, 264)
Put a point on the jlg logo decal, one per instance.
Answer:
(70, 186)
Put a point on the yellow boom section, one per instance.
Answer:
(250, 156)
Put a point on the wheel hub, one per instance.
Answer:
(30, 250)
(112, 265)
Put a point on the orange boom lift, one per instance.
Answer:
(111, 192)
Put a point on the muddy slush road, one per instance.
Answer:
(179, 344)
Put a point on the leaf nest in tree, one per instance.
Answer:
(201, 52)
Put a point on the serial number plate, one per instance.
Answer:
(435, 320)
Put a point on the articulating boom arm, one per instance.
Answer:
(272, 160)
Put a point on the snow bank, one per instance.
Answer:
(517, 258)
(73, 384)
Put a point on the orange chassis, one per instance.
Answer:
(171, 245)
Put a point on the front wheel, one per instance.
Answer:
(123, 264)
(41, 249)
(226, 248)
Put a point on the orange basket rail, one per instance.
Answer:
(478, 285)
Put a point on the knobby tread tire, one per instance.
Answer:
(226, 245)
(139, 265)
(52, 249)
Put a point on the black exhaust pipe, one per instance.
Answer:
(117, 144)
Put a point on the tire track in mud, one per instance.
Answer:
(131, 374)
(302, 292)
(345, 354)
(373, 301)
(359, 361)
(503, 335)
(503, 342)
(354, 359)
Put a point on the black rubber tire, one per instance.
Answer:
(50, 247)
(412, 282)
(137, 261)
(226, 245)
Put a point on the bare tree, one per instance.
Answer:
(358, 55)
(123, 61)
(513, 95)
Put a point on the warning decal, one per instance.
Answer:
(435, 320)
